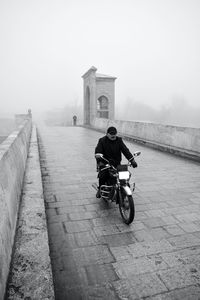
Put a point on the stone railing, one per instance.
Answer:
(30, 271)
(13, 155)
(183, 141)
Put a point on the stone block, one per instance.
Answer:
(180, 276)
(185, 240)
(139, 265)
(77, 226)
(140, 286)
(99, 254)
(100, 274)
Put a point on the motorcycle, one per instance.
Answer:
(118, 188)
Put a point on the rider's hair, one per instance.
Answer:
(112, 130)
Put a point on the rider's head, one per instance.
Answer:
(112, 133)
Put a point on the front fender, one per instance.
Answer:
(127, 190)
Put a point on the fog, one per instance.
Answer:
(151, 46)
(178, 113)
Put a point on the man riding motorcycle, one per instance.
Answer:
(112, 147)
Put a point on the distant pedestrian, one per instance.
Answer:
(74, 120)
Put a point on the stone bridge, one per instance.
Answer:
(70, 245)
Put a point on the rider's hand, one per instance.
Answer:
(133, 163)
(100, 165)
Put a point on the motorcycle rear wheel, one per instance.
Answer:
(127, 208)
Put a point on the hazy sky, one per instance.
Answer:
(151, 46)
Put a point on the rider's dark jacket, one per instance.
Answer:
(112, 150)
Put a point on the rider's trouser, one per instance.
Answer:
(106, 178)
(103, 177)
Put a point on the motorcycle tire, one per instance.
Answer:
(126, 208)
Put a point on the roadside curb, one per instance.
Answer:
(31, 274)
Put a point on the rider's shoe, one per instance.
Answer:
(98, 194)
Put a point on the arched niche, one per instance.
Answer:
(103, 107)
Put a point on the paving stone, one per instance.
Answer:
(70, 209)
(106, 230)
(60, 246)
(154, 222)
(143, 235)
(190, 251)
(175, 211)
(197, 234)
(115, 219)
(89, 293)
(159, 233)
(116, 240)
(105, 211)
(56, 229)
(51, 212)
(139, 216)
(187, 217)
(148, 248)
(55, 204)
(58, 263)
(100, 292)
(99, 254)
(67, 279)
(185, 240)
(189, 227)
(82, 215)
(141, 208)
(92, 207)
(170, 220)
(99, 274)
(139, 286)
(173, 259)
(139, 265)
(136, 225)
(180, 276)
(86, 238)
(68, 262)
(188, 293)
(196, 194)
(121, 253)
(193, 259)
(77, 226)
(174, 230)
(155, 213)
(58, 219)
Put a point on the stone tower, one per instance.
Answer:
(99, 96)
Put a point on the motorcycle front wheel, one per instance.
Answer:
(126, 208)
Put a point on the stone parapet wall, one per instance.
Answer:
(13, 155)
(30, 272)
(184, 141)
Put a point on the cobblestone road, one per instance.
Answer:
(94, 254)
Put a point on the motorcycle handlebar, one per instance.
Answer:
(100, 155)
(137, 153)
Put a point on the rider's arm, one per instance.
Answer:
(128, 154)
(125, 150)
(99, 149)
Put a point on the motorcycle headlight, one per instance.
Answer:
(124, 175)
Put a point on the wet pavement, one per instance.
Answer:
(94, 254)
